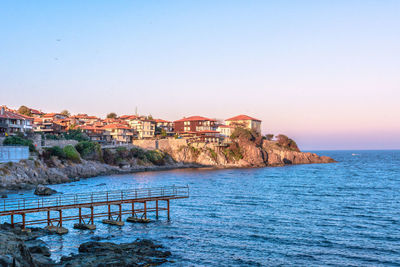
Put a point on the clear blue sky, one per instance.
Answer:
(324, 72)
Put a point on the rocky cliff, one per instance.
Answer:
(245, 150)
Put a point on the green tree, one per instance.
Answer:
(150, 117)
(112, 115)
(24, 110)
(65, 113)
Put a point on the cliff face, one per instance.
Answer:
(244, 153)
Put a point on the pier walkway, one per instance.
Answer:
(123, 200)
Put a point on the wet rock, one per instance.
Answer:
(84, 226)
(57, 230)
(138, 253)
(38, 246)
(4, 196)
(42, 190)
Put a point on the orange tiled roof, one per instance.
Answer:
(160, 120)
(116, 126)
(195, 118)
(242, 118)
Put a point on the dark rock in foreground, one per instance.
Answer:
(42, 190)
(22, 248)
(138, 253)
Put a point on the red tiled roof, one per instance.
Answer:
(11, 115)
(128, 117)
(195, 118)
(116, 126)
(50, 115)
(160, 120)
(242, 118)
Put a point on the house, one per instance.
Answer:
(163, 125)
(144, 128)
(245, 121)
(225, 130)
(12, 123)
(117, 133)
(95, 133)
(194, 124)
(36, 113)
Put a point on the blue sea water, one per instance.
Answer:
(341, 214)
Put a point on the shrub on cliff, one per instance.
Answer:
(54, 151)
(139, 153)
(72, 154)
(89, 150)
(233, 152)
(77, 135)
(286, 142)
(19, 141)
(108, 157)
(156, 157)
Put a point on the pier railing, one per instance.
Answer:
(92, 198)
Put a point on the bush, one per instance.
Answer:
(156, 157)
(233, 152)
(19, 141)
(139, 153)
(286, 142)
(55, 151)
(77, 135)
(243, 133)
(89, 150)
(213, 154)
(72, 154)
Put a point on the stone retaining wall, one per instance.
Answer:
(60, 143)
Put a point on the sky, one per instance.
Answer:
(325, 73)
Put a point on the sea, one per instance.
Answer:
(338, 214)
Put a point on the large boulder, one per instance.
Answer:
(42, 190)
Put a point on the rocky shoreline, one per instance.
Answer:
(24, 248)
(27, 174)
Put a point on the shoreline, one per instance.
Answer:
(91, 169)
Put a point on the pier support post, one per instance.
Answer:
(23, 221)
(133, 209)
(48, 218)
(168, 209)
(157, 209)
(60, 223)
(12, 220)
(80, 215)
(145, 210)
(120, 212)
(109, 212)
(91, 215)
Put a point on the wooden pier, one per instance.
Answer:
(135, 202)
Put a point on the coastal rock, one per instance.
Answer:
(138, 253)
(42, 190)
(21, 248)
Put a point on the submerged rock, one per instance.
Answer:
(42, 190)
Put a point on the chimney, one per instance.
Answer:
(2, 111)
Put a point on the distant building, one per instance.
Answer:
(163, 125)
(118, 133)
(225, 130)
(194, 124)
(12, 123)
(245, 121)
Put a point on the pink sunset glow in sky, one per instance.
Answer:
(324, 73)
